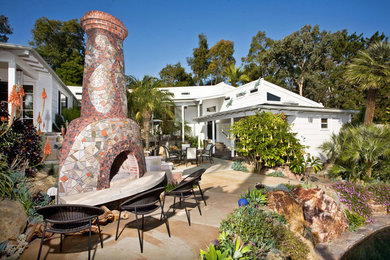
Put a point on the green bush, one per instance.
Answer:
(355, 221)
(238, 166)
(276, 174)
(262, 231)
(360, 153)
(256, 196)
(266, 141)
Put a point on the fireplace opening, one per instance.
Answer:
(124, 168)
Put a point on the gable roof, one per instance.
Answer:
(31, 61)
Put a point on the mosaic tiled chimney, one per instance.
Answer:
(103, 134)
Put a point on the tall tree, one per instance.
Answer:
(5, 28)
(221, 57)
(302, 55)
(199, 63)
(370, 70)
(175, 75)
(235, 75)
(146, 97)
(62, 45)
(257, 62)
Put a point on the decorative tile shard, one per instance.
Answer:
(103, 131)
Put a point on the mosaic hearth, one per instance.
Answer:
(103, 135)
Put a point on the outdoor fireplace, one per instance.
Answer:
(103, 141)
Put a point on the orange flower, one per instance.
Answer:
(4, 118)
(43, 96)
(14, 99)
(21, 92)
(47, 148)
(39, 119)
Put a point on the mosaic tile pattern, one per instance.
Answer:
(103, 131)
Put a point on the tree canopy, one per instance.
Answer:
(221, 57)
(62, 46)
(200, 61)
(370, 70)
(5, 28)
(175, 75)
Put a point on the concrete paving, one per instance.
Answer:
(221, 186)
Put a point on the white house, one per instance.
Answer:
(211, 110)
(22, 65)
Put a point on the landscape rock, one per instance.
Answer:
(325, 217)
(13, 219)
(42, 182)
(283, 203)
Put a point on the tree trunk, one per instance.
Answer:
(146, 121)
(300, 85)
(370, 107)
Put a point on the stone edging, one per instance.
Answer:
(338, 247)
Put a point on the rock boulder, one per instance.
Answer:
(13, 219)
(283, 203)
(322, 214)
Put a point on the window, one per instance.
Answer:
(212, 109)
(185, 93)
(28, 104)
(254, 90)
(272, 97)
(227, 98)
(324, 123)
(62, 102)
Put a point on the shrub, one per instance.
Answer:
(256, 196)
(262, 231)
(355, 221)
(276, 174)
(360, 153)
(21, 143)
(238, 166)
(265, 139)
(355, 197)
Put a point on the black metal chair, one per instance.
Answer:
(191, 155)
(170, 157)
(184, 191)
(208, 153)
(69, 218)
(143, 204)
(197, 177)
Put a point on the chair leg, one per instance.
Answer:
(43, 237)
(139, 234)
(201, 193)
(165, 218)
(188, 216)
(60, 242)
(197, 202)
(163, 204)
(117, 228)
(89, 239)
(100, 233)
(174, 202)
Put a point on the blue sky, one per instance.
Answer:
(165, 32)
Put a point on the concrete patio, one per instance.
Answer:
(222, 187)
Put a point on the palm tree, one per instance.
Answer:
(145, 97)
(235, 75)
(371, 71)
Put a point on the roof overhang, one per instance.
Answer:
(31, 62)
(288, 110)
